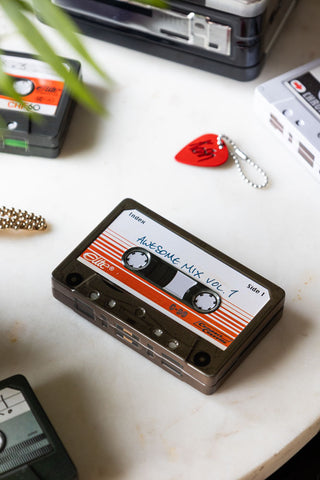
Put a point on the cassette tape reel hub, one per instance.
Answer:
(136, 259)
(179, 302)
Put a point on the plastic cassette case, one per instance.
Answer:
(30, 449)
(290, 106)
(179, 302)
(45, 96)
(228, 37)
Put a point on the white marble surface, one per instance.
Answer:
(120, 416)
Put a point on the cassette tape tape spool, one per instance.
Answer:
(157, 305)
(45, 96)
(29, 446)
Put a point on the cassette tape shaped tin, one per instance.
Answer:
(229, 37)
(290, 106)
(44, 95)
(179, 302)
(30, 449)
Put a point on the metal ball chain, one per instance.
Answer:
(238, 156)
(20, 220)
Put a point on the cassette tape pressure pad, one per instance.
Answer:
(229, 37)
(182, 304)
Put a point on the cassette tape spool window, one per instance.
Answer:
(178, 284)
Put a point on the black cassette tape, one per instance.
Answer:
(30, 449)
(179, 302)
(45, 96)
(228, 37)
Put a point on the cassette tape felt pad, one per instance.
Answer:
(179, 302)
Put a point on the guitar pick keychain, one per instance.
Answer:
(212, 150)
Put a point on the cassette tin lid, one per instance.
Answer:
(243, 8)
(193, 293)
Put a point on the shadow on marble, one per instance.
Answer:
(269, 354)
(68, 403)
(84, 127)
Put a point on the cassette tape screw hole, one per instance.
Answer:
(173, 344)
(74, 279)
(201, 359)
(287, 113)
(94, 295)
(300, 123)
(158, 332)
(111, 303)
(140, 312)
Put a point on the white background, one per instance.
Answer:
(119, 416)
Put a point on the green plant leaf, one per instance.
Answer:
(6, 86)
(57, 19)
(14, 10)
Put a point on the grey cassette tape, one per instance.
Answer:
(290, 105)
(161, 291)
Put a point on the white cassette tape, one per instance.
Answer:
(290, 105)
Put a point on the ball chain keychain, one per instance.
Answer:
(212, 150)
(20, 220)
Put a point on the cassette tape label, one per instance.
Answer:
(307, 88)
(40, 88)
(189, 285)
(24, 439)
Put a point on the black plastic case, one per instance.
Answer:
(228, 37)
(27, 135)
(30, 449)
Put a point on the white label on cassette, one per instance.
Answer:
(12, 404)
(306, 87)
(39, 87)
(240, 298)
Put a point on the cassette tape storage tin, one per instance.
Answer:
(29, 446)
(290, 106)
(179, 302)
(229, 37)
(45, 96)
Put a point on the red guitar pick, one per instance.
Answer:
(204, 151)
